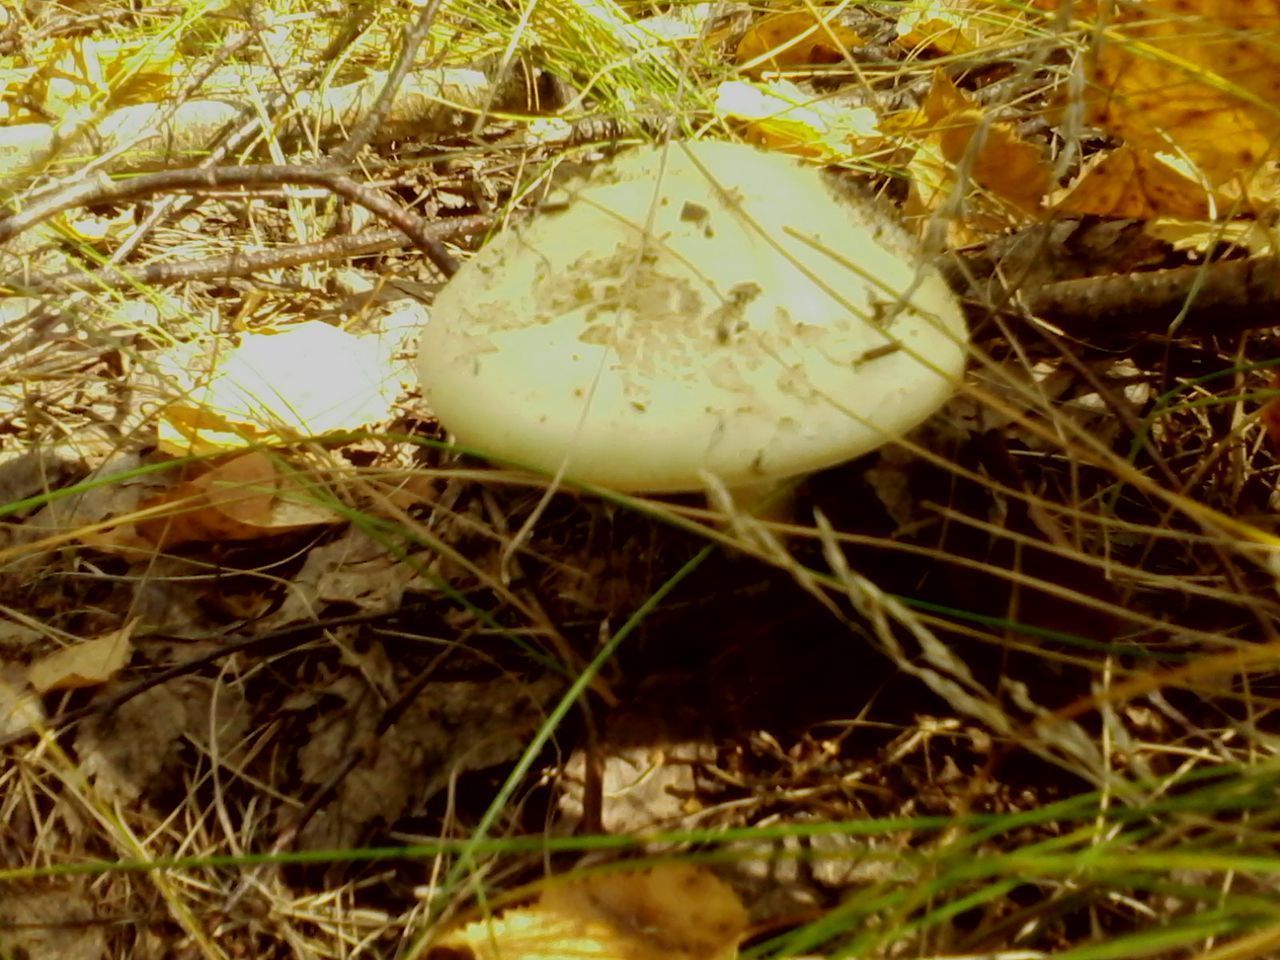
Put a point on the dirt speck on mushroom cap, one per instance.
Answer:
(692, 307)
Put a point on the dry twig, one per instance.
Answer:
(102, 189)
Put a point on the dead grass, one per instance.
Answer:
(1005, 689)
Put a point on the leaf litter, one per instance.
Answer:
(668, 912)
(404, 759)
(372, 681)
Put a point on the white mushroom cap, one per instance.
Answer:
(696, 307)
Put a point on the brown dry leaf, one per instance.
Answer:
(112, 489)
(1195, 78)
(643, 788)
(669, 912)
(230, 502)
(89, 663)
(31, 472)
(780, 116)
(356, 568)
(237, 500)
(1011, 175)
(308, 379)
(794, 38)
(1132, 184)
(451, 727)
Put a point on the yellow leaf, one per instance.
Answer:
(780, 116)
(1128, 183)
(1000, 162)
(794, 38)
(1004, 178)
(1194, 78)
(669, 912)
(952, 27)
(1253, 236)
(940, 30)
(88, 663)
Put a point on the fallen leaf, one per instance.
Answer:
(1128, 183)
(235, 501)
(355, 569)
(230, 502)
(1253, 236)
(952, 27)
(449, 728)
(1194, 78)
(794, 38)
(135, 750)
(991, 153)
(307, 380)
(643, 788)
(88, 663)
(669, 912)
(1003, 177)
(52, 923)
(20, 710)
(931, 26)
(779, 116)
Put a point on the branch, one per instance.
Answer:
(1219, 297)
(248, 262)
(102, 189)
(414, 36)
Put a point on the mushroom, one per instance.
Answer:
(691, 309)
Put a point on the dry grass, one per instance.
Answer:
(1005, 689)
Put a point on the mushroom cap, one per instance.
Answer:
(699, 306)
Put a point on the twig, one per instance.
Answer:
(413, 37)
(1223, 296)
(248, 262)
(102, 189)
(355, 24)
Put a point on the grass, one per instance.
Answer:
(1004, 690)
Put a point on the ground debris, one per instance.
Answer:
(134, 751)
(449, 728)
(642, 788)
(354, 569)
(49, 925)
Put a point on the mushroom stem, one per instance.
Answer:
(769, 500)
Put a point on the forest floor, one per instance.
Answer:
(283, 673)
